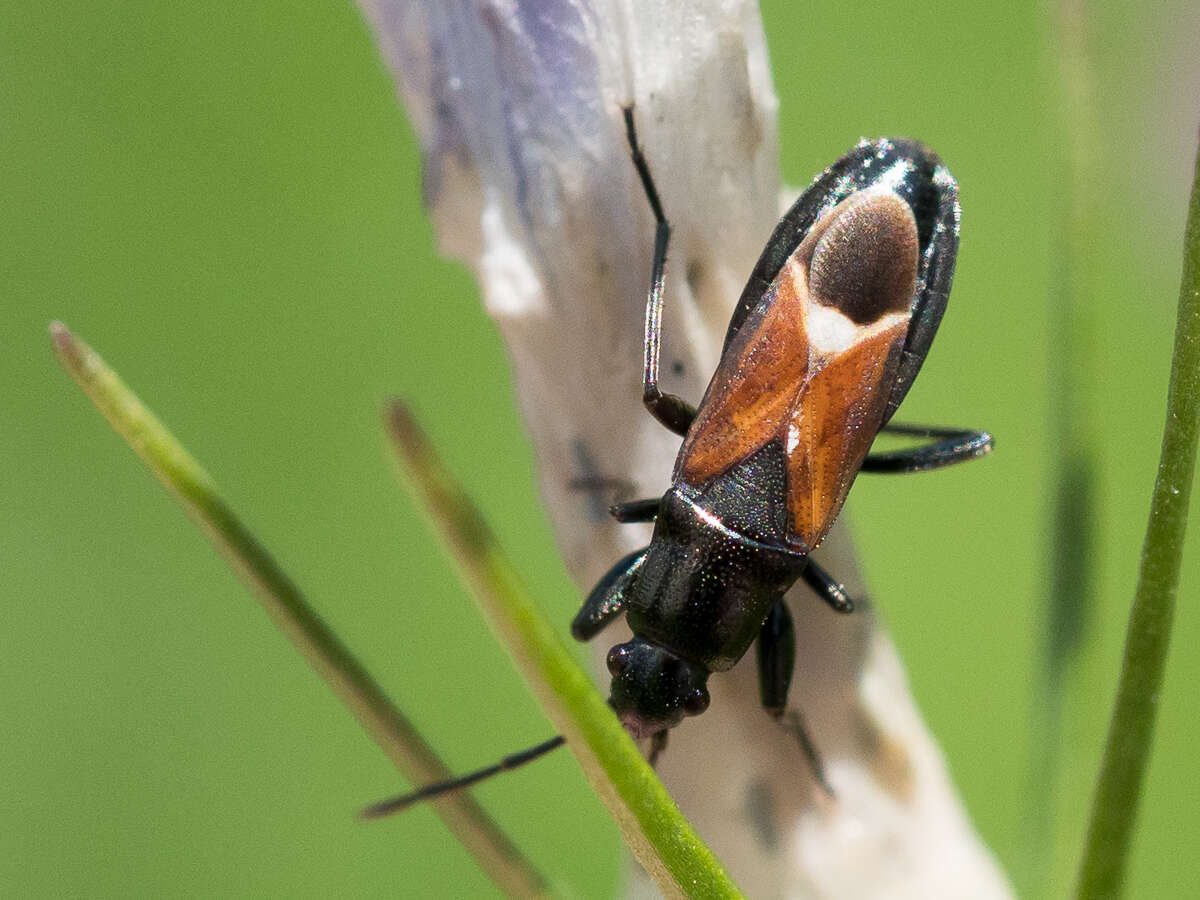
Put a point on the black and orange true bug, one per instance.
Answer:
(826, 339)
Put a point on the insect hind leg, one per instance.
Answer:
(672, 411)
(952, 445)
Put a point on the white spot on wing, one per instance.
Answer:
(829, 330)
(793, 437)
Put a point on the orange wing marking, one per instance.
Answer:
(754, 390)
(835, 422)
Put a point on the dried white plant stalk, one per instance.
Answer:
(527, 175)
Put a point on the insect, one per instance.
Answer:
(824, 343)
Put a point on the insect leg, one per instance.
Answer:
(776, 660)
(658, 743)
(398, 804)
(607, 599)
(827, 587)
(636, 510)
(672, 411)
(953, 446)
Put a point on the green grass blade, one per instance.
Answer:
(659, 836)
(1114, 809)
(192, 486)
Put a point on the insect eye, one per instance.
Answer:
(696, 702)
(618, 660)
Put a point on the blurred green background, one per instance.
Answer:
(223, 199)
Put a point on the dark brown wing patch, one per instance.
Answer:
(864, 262)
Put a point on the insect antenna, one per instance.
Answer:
(404, 801)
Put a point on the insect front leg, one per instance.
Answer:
(658, 743)
(954, 445)
(441, 788)
(672, 411)
(776, 661)
(607, 599)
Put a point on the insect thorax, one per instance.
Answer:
(704, 588)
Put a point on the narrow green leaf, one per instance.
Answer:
(192, 486)
(1114, 808)
(659, 836)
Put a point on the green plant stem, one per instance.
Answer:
(659, 836)
(192, 486)
(1114, 809)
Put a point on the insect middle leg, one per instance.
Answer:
(776, 661)
(672, 411)
(636, 510)
(826, 587)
